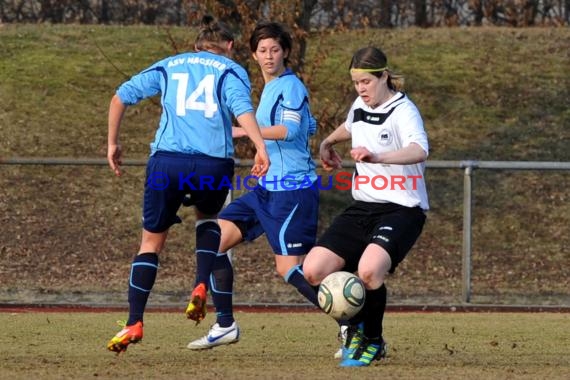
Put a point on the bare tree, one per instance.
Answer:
(303, 22)
(242, 15)
(477, 8)
(104, 16)
(301, 15)
(385, 13)
(421, 12)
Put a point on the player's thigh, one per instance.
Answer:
(230, 234)
(241, 213)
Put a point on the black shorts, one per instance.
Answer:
(393, 227)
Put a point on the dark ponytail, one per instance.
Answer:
(213, 35)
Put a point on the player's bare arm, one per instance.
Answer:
(261, 160)
(274, 132)
(330, 158)
(411, 154)
(114, 152)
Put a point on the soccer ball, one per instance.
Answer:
(341, 295)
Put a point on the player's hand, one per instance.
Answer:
(260, 163)
(330, 159)
(361, 154)
(114, 157)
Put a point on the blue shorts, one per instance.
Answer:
(170, 176)
(288, 218)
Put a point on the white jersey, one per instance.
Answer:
(391, 126)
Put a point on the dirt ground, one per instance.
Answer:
(69, 233)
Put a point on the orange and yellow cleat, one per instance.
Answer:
(196, 309)
(129, 334)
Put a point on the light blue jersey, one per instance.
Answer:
(199, 93)
(285, 101)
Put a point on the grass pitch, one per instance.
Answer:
(50, 345)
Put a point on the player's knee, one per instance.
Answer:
(285, 264)
(370, 278)
(317, 266)
(313, 277)
(282, 272)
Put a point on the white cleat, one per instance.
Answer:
(338, 354)
(342, 339)
(217, 336)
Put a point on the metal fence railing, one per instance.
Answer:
(467, 166)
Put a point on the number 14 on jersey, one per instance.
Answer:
(204, 91)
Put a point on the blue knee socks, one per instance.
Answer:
(296, 278)
(221, 288)
(207, 245)
(141, 281)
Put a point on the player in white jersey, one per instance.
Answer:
(200, 91)
(375, 233)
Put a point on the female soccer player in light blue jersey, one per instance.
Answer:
(199, 91)
(284, 206)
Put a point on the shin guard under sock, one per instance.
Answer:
(221, 288)
(207, 245)
(296, 278)
(141, 280)
(374, 314)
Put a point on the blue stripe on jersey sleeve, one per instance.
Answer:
(141, 86)
(236, 86)
(165, 115)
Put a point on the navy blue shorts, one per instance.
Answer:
(170, 176)
(393, 227)
(288, 218)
